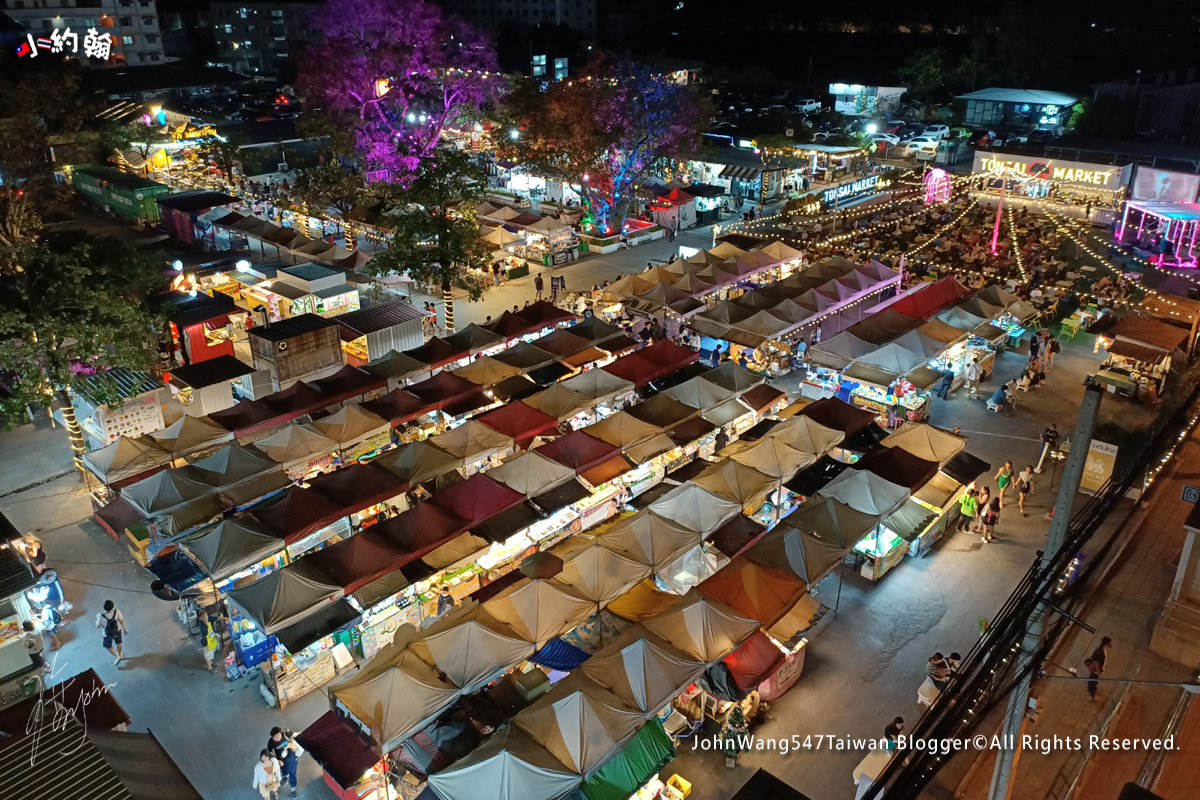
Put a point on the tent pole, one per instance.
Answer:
(841, 579)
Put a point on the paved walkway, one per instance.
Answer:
(1129, 601)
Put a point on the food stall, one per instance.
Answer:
(956, 358)
(892, 398)
(881, 549)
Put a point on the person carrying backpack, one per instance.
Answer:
(112, 622)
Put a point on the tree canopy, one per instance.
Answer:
(395, 74)
(437, 240)
(73, 304)
(604, 133)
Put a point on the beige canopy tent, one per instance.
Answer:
(780, 251)
(644, 451)
(560, 401)
(163, 490)
(472, 441)
(296, 443)
(469, 647)
(642, 602)
(703, 628)
(774, 457)
(927, 442)
(699, 393)
(797, 553)
(622, 429)
(125, 458)
(596, 572)
(726, 250)
(726, 413)
(485, 208)
(418, 462)
(803, 434)
(736, 481)
(643, 670)
(503, 213)
(631, 286)
(599, 385)
(865, 491)
(581, 723)
(532, 473)
(351, 424)
(397, 700)
(460, 547)
(540, 610)
(652, 540)
(548, 225)
(511, 765)
(487, 371)
(696, 508)
(189, 434)
(499, 237)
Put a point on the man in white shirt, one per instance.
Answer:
(973, 373)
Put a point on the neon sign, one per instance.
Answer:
(937, 186)
(850, 189)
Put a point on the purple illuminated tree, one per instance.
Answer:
(396, 74)
(605, 133)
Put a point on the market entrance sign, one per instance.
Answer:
(1075, 173)
(860, 186)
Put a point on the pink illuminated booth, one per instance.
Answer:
(1167, 230)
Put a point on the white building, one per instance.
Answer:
(132, 26)
(857, 100)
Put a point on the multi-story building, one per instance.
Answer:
(132, 26)
(490, 15)
(260, 38)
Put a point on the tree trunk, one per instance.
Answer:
(448, 302)
(73, 430)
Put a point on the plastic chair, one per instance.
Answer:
(1067, 330)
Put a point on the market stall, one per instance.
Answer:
(1142, 354)
(300, 449)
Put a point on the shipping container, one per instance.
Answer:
(120, 193)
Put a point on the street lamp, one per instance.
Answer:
(243, 265)
(514, 134)
(872, 127)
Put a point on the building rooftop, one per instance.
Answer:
(310, 271)
(377, 318)
(195, 200)
(294, 326)
(1034, 97)
(210, 372)
(159, 77)
(113, 175)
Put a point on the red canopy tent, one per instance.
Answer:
(340, 748)
(933, 299)
(422, 529)
(635, 368)
(579, 451)
(443, 389)
(358, 486)
(477, 499)
(354, 562)
(897, 465)
(297, 514)
(544, 314)
(754, 661)
(838, 414)
(666, 356)
(562, 343)
(520, 421)
(437, 352)
(510, 325)
(245, 416)
(346, 383)
(298, 399)
(762, 396)
(399, 406)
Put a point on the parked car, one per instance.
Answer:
(959, 134)
(892, 127)
(1041, 136)
(912, 129)
(808, 106)
(980, 139)
(923, 139)
(937, 131)
(884, 138)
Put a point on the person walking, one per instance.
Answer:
(1004, 477)
(943, 387)
(1049, 445)
(496, 273)
(968, 504)
(112, 622)
(51, 621)
(973, 373)
(210, 640)
(267, 774)
(990, 517)
(282, 747)
(1024, 484)
(539, 286)
(1095, 665)
(1053, 348)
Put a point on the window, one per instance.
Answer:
(242, 13)
(151, 38)
(148, 21)
(126, 40)
(155, 57)
(277, 13)
(281, 38)
(229, 29)
(125, 22)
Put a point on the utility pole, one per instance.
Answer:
(1004, 776)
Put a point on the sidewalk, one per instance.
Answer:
(1129, 600)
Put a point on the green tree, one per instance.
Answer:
(437, 241)
(325, 182)
(73, 301)
(924, 70)
(225, 153)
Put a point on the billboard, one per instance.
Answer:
(1162, 186)
(1073, 173)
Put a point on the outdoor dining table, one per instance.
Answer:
(1118, 382)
